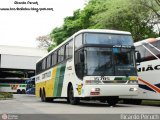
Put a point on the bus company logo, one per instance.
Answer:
(4, 116)
(149, 68)
(79, 89)
(14, 86)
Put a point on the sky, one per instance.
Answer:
(22, 27)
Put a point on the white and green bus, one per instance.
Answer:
(14, 85)
(94, 64)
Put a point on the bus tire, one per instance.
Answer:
(112, 101)
(18, 91)
(72, 100)
(43, 96)
(23, 91)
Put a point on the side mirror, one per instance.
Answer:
(138, 57)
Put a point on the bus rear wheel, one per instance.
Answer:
(18, 91)
(44, 98)
(71, 99)
(23, 91)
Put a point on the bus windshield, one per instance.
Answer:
(109, 61)
(108, 39)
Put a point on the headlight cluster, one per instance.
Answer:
(133, 82)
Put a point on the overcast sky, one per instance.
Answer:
(22, 27)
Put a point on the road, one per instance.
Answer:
(29, 104)
(29, 107)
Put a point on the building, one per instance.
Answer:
(19, 61)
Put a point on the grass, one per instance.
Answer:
(5, 95)
(151, 102)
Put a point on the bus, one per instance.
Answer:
(93, 64)
(30, 88)
(148, 71)
(14, 85)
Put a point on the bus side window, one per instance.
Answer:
(78, 41)
(61, 54)
(79, 63)
(44, 64)
(54, 58)
(49, 61)
(67, 51)
(70, 49)
(38, 67)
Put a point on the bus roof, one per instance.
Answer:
(90, 31)
(148, 40)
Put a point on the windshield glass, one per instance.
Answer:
(123, 60)
(109, 61)
(108, 39)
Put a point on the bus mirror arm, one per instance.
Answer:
(138, 57)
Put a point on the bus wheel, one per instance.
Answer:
(43, 97)
(23, 91)
(18, 91)
(112, 101)
(73, 100)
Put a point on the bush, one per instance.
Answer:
(4, 95)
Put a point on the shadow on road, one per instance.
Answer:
(87, 103)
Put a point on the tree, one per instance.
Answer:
(127, 15)
(154, 6)
(45, 42)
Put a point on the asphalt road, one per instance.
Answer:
(29, 104)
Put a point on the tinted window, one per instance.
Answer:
(78, 41)
(145, 54)
(70, 48)
(38, 67)
(54, 58)
(48, 61)
(67, 51)
(44, 64)
(108, 39)
(156, 44)
(61, 54)
(79, 64)
(13, 81)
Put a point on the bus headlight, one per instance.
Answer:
(133, 82)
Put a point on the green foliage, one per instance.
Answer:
(4, 95)
(126, 15)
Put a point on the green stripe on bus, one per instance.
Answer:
(61, 78)
(4, 85)
(22, 85)
(56, 81)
